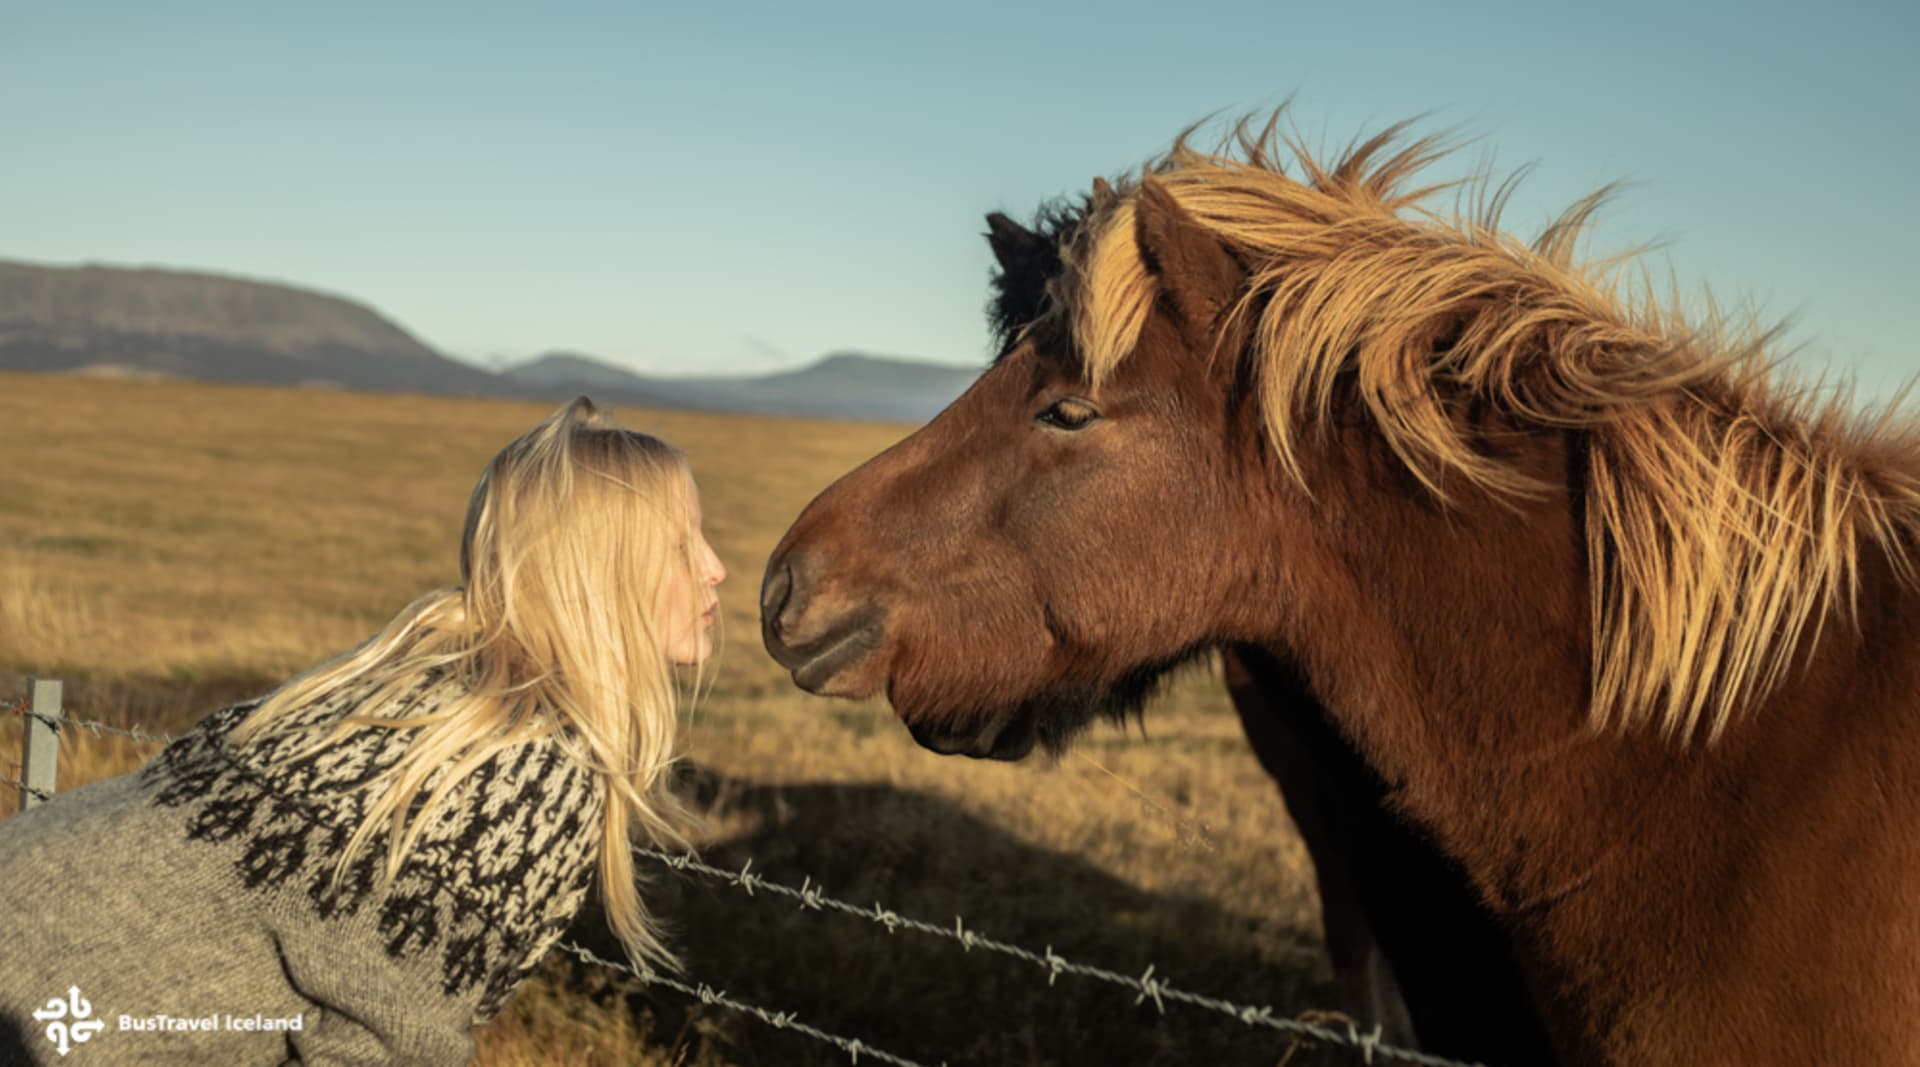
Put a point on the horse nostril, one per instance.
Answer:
(775, 594)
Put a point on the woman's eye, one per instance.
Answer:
(1069, 415)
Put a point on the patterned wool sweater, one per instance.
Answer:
(188, 906)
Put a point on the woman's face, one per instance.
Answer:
(688, 605)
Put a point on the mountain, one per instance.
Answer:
(844, 385)
(562, 375)
(151, 322)
(205, 326)
(570, 369)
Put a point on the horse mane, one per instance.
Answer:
(1724, 509)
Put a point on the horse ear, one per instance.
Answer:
(1013, 245)
(1197, 273)
(1027, 260)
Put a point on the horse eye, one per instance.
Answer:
(1069, 415)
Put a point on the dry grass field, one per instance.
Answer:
(165, 547)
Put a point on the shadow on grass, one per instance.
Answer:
(925, 998)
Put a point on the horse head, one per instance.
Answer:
(1054, 542)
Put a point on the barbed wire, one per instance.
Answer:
(37, 794)
(779, 1020)
(1146, 986)
(95, 728)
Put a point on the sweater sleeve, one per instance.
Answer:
(369, 1008)
(406, 976)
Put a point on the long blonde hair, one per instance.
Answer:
(569, 537)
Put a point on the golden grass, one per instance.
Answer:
(165, 547)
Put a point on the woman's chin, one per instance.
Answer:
(691, 657)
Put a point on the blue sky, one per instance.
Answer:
(729, 188)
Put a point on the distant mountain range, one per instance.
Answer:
(144, 322)
(844, 385)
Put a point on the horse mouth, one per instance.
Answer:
(816, 665)
(1012, 740)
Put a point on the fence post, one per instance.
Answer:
(40, 755)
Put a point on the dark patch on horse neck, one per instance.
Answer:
(1579, 445)
(1062, 715)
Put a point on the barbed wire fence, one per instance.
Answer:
(30, 792)
(42, 720)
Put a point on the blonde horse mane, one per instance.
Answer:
(1724, 509)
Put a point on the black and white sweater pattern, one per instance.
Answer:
(245, 841)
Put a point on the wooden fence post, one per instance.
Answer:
(40, 755)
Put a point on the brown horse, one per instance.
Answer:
(1626, 634)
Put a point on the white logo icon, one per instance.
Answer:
(69, 1023)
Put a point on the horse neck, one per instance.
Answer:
(1655, 887)
(1451, 644)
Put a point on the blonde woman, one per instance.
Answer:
(361, 866)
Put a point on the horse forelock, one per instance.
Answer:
(1726, 508)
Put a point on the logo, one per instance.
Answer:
(69, 1022)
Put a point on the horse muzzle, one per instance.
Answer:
(817, 644)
